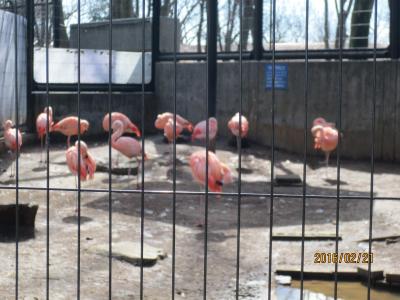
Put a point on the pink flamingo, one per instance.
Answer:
(233, 125)
(127, 146)
(87, 163)
(163, 118)
(41, 126)
(10, 139)
(169, 132)
(199, 131)
(219, 174)
(69, 127)
(326, 139)
(321, 121)
(127, 123)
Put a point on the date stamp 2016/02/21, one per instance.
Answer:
(343, 257)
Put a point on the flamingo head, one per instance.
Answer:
(84, 126)
(319, 121)
(7, 124)
(48, 109)
(84, 147)
(316, 128)
(117, 124)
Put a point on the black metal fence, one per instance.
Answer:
(211, 56)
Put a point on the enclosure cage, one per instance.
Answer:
(283, 64)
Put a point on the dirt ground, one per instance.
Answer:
(222, 234)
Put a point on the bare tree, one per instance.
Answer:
(342, 18)
(326, 25)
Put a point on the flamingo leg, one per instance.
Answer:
(138, 171)
(41, 149)
(76, 198)
(117, 160)
(69, 141)
(12, 164)
(326, 163)
(200, 222)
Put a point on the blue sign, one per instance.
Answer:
(281, 76)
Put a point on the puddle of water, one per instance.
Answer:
(346, 290)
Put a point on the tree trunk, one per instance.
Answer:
(165, 9)
(248, 21)
(200, 31)
(326, 26)
(360, 21)
(122, 9)
(345, 14)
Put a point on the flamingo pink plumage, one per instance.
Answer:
(169, 130)
(128, 125)
(199, 131)
(127, 146)
(163, 118)
(218, 173)
(233, 125)
(69, 127)
(87, 165)
(325, 136)
(10, 139)
(41, 125)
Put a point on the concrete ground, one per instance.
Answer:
(222, 230)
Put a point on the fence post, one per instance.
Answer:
(258, 31)
(394, 47)
(212, 16)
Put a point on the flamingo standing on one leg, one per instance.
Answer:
(128, 125)
(126, 145)
(325, 138)
(10, 139)
(69, 127)
(169, 132)
(233, 125)
(87, 163)
(41, 126)
(218, 173)
(163, 118)
(199, 131)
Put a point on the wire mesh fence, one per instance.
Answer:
(48, 37)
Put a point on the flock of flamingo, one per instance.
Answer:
(325, 138)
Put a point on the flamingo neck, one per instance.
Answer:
(117, 134)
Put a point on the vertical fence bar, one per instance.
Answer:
(304, 185)
(143, 149)
(110, 61)
(56, 23)
(29, 66)
(373, 116)
(339, 146)
(47, 158)
(79, 156)
(239, 141)
(174, 152)
(258, 30)
(17, 151)
(271, 216)
(394, 44)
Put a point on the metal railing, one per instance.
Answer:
(211, 57)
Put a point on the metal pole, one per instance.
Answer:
(212, 22)
(394, 29)
(56, 23)
(258, 30)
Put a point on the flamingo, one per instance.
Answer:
(10, 139)
(41, 126)
(219, 174)
(326, 139)
(199, 131)
(233, 125)
(87, 163)
(163, 118)
(127, 146)
(69, 127)
(127, 123)
(169, 132)
(321, 121)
